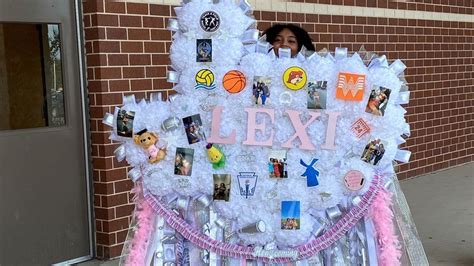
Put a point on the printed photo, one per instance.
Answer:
(125, 123)
(193, 128)
(261, 90)
(317, 92)
(277, 166)
(378, 100)
(290, 215)
(221, 186)
(183, 161)
(204, 50)
(373, 152)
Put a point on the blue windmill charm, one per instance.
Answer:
(310, 173)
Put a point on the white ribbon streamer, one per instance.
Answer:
(250, 36)
(129, 99)
(403, 97)
(120, 153)
(172, 77)
(400, 140)
(156, 97)
(380, 61)
(341, 53)
(403, 156)
(284, 53)
(108, 119)
(263, 47)
(398, 67)
(245, 6)
(134, 174)
(406, 129)
(173, 25)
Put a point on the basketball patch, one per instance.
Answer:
(234, 81)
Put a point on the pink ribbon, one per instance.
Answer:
(304, 251)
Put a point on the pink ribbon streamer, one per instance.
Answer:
(304, 251)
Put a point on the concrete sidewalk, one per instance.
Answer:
(442, 205)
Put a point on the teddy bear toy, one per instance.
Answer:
(147, 140)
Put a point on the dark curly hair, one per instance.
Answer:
(301, 35)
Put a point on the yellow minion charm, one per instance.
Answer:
(215, 156)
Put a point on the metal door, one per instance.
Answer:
(45, 213)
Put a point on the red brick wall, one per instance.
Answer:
(127, 53)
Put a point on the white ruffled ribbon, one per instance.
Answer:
(403, 156)
(173, 25)
(120, 153)
(128, 99)
(250, 36)
(108, 120)
(398, 67)
(172, 77)
(403, 97)
(341, 53)
(134, 174)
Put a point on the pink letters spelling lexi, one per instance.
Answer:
(252, 127)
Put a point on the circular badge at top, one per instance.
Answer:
(294, 78)
(354, 180)
(210, 21)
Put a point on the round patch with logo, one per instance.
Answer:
(354, 180)
(210, 21)
(294, 78)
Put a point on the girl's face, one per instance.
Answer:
(286, 39)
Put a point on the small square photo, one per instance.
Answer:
(261, 90)
(290, 215)
(183, 162)
(378, 100)
(277, 166)
(317, 94)
(221, 187)
(204, 50)
(193, 128)
(373, 151)
(125, 123)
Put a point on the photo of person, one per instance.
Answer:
(261, 90)
(193, 128)
(290, 215)
(378, 100)
(125, 123)
(277, 166)
(221, 187)
(317, 92)
(373, 152)
(183, 162)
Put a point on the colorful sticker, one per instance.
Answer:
(360, 128)
(354, 180)
(234, 81)
(205, 80)
(247, 183)
(310, 173)
(350, 87)
(294, 78)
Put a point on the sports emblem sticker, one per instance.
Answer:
(204, 50)
(294, 78)
(210, 21)
(234, 81)
(205, 80)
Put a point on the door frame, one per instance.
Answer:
(79, 21)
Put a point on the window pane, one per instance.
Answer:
(31, 85)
